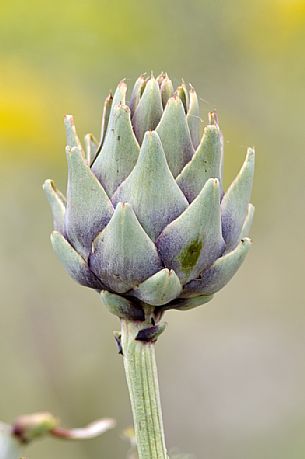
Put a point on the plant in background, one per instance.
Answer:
(30, 427)
(147, 224)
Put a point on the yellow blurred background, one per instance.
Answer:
(232, 373)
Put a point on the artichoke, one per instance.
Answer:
(146, 220)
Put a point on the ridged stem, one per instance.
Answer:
(142, 379)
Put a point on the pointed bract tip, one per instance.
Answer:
(122, 106)
(123, 206)
(174, 99)
(150, 136)
(246, 241)
(166, 80)
(212, 182)
(171, 272)
(109, 98)
(250, 157)
(47, 184)
(213, 118)
(250, 152)
(211, 129)
(161, 77)
(69, 120)
(90, 137)
(68, 117)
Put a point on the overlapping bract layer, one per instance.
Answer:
(146, 218)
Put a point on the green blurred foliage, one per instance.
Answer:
(232, 373)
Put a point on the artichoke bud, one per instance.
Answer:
(146, 220)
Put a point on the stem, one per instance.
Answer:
(142, 379)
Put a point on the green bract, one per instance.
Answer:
(146, 220)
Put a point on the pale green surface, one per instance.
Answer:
(232, 373)
(175, 136)
(119, 153)
(193, 177)
(88, 205)
(149, 110)
(106, 113)
(193, 118)
(57, 204)
(124, 248)
(148, 184)
(71, 133)
(73, 263)
(245, 231)
(116, 304)
(167, 90)
(90, 147)
(235, 203)
(119, 98)
(159, 289)
(142, 379)
(136, 93)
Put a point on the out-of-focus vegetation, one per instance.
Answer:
(232, 372)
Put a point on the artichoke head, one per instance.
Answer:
(146, 220)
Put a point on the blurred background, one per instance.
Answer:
(232, 373)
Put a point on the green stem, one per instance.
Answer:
(142, 379)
